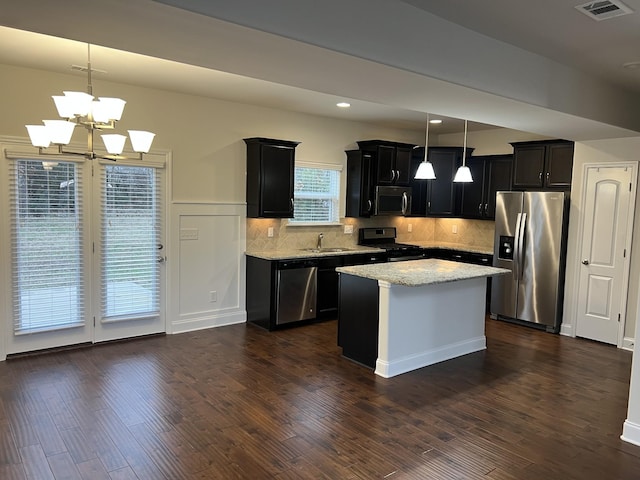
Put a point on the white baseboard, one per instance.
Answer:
(436, 355)
(628, 343)
(566, 330)
(208, 321)
(631, 432)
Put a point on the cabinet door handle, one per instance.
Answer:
(393, 175)
(428, 206)
(486, 208)
(547, 178)
(397, 175)
(369, 205)
(292, 204)
(540, 177)
(480, 209)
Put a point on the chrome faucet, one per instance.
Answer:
(320, 237)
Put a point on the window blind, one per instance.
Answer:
(46, 242)
(316, 195)
(130, 229)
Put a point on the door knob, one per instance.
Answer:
(585, 262)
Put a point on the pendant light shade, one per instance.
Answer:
(425, 169)
(463, 175)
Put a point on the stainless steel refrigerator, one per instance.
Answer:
(530, 240)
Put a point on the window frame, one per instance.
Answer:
(340, 212)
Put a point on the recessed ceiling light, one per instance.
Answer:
(435, 120)
(343, 104)
(632, 65)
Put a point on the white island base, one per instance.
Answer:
(423, 325)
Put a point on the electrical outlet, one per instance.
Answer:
(410, 228)
(270, 232)
(454, 228)
(348, 229)
(213, 296)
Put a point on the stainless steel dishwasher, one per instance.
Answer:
(297, 291)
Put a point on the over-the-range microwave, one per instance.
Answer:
(393, 200)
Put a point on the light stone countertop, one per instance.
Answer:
(288, 254)
(416, 273)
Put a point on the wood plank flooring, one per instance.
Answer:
(238, 402)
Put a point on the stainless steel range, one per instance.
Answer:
(385, 238)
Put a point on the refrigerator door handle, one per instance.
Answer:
(523, 226)
(516, 250)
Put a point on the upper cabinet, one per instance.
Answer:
(360, 187)
(440, 197)
(270, 170)
(391, 161)
(542, 165)
(491, 173)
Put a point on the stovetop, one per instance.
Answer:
(384, 237)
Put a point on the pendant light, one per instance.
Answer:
(425, 169)
(463, 175)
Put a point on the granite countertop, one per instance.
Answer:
(453, 246)
(415, 273)
(288, 254)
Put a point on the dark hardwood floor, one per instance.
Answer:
(240, 402)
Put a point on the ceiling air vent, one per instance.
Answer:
(604, 10)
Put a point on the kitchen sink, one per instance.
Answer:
(325, 250)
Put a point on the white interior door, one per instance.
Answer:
(606, 240)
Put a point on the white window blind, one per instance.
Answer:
(46, 242)
(316, 195)
(131, 225)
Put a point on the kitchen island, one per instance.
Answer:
(397, 317)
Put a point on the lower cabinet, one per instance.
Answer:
(358, 320)
(282, 293)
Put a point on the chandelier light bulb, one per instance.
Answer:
(114, 143)
(60, 131)
(39, 136)
(64, 106)
(141, 141)
(79, 103)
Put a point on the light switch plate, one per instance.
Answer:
(348, 229)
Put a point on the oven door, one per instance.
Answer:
(393, 200)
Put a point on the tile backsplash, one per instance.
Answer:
(470, 233)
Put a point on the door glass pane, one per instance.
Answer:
(130, 243)
(46, 240)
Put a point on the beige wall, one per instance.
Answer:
(205, 135)
(488, 142)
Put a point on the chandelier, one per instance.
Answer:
(80, 108)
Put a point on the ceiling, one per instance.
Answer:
(554, 29)
(565, 36)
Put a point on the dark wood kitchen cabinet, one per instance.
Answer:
(270, 170)
(440, 197)
(360, 187)
(491, 173)
(545, 164)
(391, 161)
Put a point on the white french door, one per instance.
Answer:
(86, 243)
